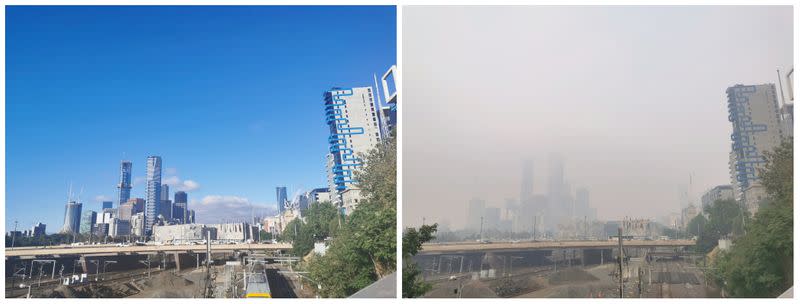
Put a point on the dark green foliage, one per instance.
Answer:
(364, 248)
(724, 221)
(413, 286)
(760, 264)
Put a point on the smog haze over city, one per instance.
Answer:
(631, 98)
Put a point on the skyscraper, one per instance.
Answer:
(108, 205)
(72, 218)
(124, 185)
(179, 206)
(164, 192)
(353, 126)
(152, 192)
(281, 197)
(38, 230)
(475, 211)
(88, 219)
(526, 189)
(755, 115)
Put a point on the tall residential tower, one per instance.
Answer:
(755, 115)
(353, 125)
(152, 192)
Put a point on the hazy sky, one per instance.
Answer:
(633, 98)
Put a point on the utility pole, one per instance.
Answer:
(620, 263)
(534, 228)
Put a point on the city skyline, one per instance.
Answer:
(235, 85)
(590, 83)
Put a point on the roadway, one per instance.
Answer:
(21, 252)
(439, 248)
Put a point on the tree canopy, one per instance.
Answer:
(760, 263)
(413, 285)
(364, 248)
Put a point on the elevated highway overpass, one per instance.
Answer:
(466, 247)
(110, 250)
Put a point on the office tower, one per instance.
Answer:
(88, 219)
(125, 211)
(124, 185)
(191, 217)
(137, 224)
(118, 227)
(179, 206)
(72, 218)
(721, 192)
(557, 207)
(353, 126)
(152, 192)
(757, 128)
(582, 203)
(138, 205)
(38, 230)
(101, 229)
(164, 192)
(526, 189)
(165, 209)
(491, 218)
(475, 211)
(281, 198)
(107, 205)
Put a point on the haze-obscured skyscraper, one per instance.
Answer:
(72, 218)
(475, 211)
(152, 192)
(526, 188)
(124, 186)
(353, 127)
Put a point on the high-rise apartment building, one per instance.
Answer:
(282, 198)
(389, 108)
(755, 115)
(152, 192)
(38, 230)
(124, 186)
(354, 128)
(72, 218)
(88, 219)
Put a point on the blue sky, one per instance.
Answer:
(229, 97)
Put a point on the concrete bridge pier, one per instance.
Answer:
(177, 261)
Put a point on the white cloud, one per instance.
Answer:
(177, 184)
(102, 198)
(171, 171)
(218, 208)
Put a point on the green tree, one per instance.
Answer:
(413, 285)
(760, 263)
(364, 248)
